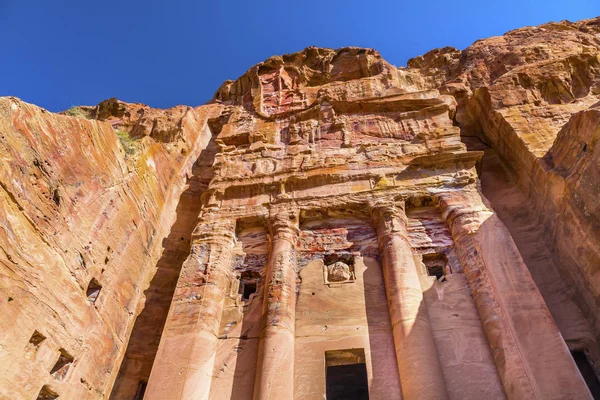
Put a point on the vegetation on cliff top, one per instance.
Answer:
(78, 112)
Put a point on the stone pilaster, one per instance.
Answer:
(531, 357)
(183, 367)
(275, 368)
(421, 376)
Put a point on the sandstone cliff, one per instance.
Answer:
(84, 221)
(99, 205)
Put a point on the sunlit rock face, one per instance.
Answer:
(327, 225)
(87, 216)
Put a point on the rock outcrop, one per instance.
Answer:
(438, 224)
(85, 210)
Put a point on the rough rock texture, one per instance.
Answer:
(326, 209)
(75, 209)
(535, 97)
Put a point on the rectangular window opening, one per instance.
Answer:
(248, 289)
(37, 338)
(47, 394)
(436, 264)
(248, 282)
(93, 290)
(60, 369)
(346, 375)
(589, 376)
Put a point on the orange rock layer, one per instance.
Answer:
(131, 238)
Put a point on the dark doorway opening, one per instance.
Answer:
(587, 372)
(346, 375)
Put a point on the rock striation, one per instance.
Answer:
(83, 224)
(431, 231)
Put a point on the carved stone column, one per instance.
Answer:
(421, 375)
(532, 359)
(183, 367)
(275, 368)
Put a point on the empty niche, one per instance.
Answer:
(47, 394)
(346, 375)
(338, 268)
(93, 290)
(436, 265)
(60, 369)
(587, 372)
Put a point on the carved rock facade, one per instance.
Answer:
(326, 212)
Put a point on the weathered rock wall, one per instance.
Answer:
(174, 248)
(79, 207)
(533, 95)
(570, 172)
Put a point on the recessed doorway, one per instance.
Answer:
(346, 375)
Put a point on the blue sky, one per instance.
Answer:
(59, 53)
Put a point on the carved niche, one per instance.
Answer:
(338, 270)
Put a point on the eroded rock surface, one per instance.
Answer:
(83, 224)
(324, 209)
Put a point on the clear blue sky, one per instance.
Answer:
(59, 53)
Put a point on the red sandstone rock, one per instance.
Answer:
(338, 188)
(76, 209)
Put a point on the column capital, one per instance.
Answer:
(389, 217)
(464, 212)
(214, 229)
(284, 224)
